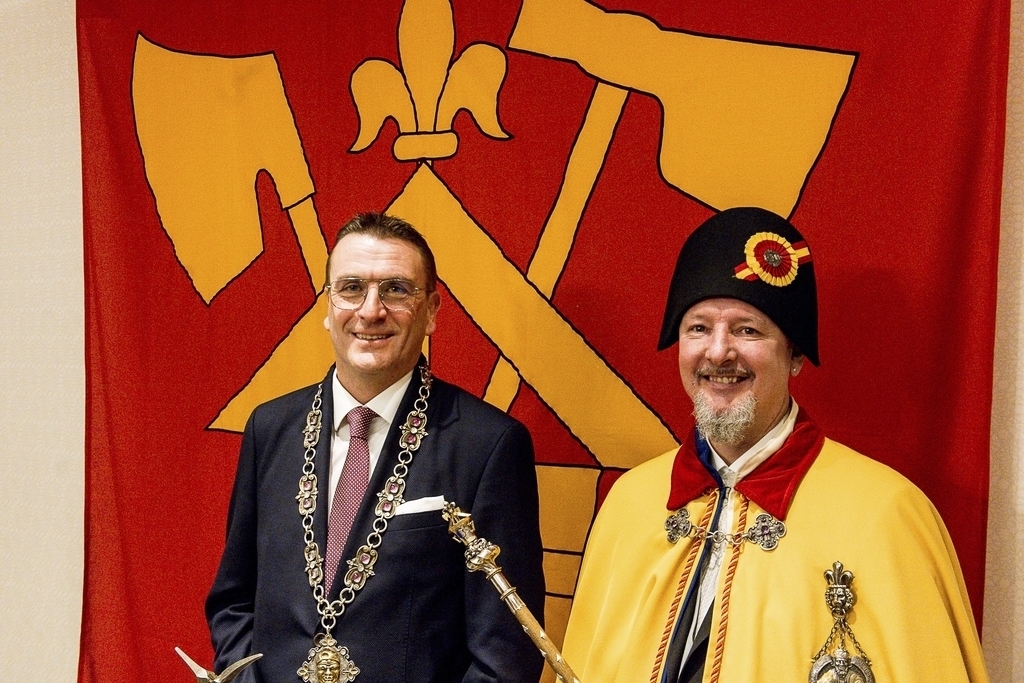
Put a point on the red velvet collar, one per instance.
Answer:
(772, 485)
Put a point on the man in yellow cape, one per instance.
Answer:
(761, 550)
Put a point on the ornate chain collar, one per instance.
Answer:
(360, 567)
(765, 532)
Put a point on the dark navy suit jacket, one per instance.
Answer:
(422, 617)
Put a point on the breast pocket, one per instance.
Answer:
(418, 520)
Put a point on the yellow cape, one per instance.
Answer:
(912, 616)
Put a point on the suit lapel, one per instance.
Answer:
(322, 461)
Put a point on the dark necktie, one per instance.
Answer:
(693, 668)
(348, 495)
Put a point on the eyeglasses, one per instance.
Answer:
(396, 294)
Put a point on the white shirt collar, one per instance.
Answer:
(385, 404)
(767, 446)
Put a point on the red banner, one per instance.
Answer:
(556, 154)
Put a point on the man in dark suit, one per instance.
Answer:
(400, 605)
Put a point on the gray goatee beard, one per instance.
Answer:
(728, 427)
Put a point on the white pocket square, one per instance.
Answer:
(420, 505)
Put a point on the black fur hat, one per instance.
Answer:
(757, 257)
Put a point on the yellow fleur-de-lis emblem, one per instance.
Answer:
(424, 96)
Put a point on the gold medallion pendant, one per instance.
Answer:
(328, 663)
(833, 663)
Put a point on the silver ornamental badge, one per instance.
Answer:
(766, 531)
(678, 525)
(413, 430)
(834, 663)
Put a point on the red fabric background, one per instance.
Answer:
(901, 213)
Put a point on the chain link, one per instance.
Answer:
(831, 637)
(856, 644)
(843, 630)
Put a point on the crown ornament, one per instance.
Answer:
(839, 594)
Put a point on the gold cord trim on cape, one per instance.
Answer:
(673, 611)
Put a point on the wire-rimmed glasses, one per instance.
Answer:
(396, 294)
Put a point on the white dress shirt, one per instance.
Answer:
(385, 404)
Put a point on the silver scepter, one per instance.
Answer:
(480, 557)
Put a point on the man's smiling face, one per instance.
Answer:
(730, 353)
(373, 346)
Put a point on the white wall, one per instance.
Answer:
(42, 373)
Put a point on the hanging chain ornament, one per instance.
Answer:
(833, 663)
(329, 662)
(765, 531)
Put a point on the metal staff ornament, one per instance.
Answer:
(480, 557)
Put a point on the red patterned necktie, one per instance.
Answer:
(348, 495)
